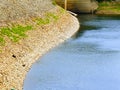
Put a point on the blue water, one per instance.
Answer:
(90, 60)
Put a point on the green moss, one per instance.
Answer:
(62, 10)
(41, 21)
(49, 17)
(2, 41)
(17, 32)
(14, 33)
(52, 16)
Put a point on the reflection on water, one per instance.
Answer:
(89, 61)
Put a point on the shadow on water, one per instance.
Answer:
(89, 17)
(85, 27)
(108, 17)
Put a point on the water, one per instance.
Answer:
(88, 61)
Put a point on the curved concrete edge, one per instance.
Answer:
(63, 32)
(14, 70)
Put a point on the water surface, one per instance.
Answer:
(88, 61)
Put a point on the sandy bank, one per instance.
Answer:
(17, 58)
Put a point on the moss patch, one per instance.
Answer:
(17, 32)
(49, 17)
(14, 33)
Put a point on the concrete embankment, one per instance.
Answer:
(17, 58)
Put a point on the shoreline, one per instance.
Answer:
(108, 12)
(109, 8)
(18, 58)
